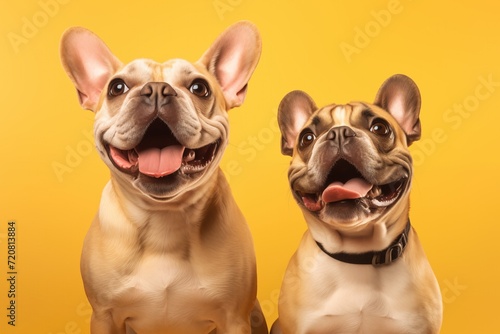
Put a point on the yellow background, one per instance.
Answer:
(449, 48)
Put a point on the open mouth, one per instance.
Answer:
(345, 183)
(160, 154)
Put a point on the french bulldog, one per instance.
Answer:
(360, 267)
(169, 250)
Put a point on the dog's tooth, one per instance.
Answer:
(374, 192)
(191, 154)
(383, 203)
(133, 157)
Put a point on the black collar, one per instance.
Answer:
(375, 258)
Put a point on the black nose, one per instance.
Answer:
(157, 93)
(340, 134)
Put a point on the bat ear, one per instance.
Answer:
(232, 58)
(293, 112)
(89, 64)
(399, 95)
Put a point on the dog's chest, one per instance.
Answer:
(337, 297)
(165, 283)
(362, 299)
(170, 294)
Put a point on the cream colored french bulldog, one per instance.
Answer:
(360, 267)
(168, 251)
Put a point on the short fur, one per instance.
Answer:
(168, 252)
(323, 295)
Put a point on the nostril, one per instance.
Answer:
(147, 90)
(339, 132)
(348, 132)
(158, 88)
(157, 94)
(332, 135)
(168, 90)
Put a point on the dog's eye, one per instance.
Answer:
(117, 87)
(380, 128)
(307, 138)
(200, 88)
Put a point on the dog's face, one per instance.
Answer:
(350, 163)
(162, 127)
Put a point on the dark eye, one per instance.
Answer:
(380, 128)
(307, 138)
(200, 88)
(117, 87)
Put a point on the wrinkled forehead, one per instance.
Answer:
(148, 70)
(348, 114)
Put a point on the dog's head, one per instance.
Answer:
(350, 163)
(162, 127)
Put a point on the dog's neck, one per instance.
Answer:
(161, 227)
(133, 199)
(373, 236)
(376, 258)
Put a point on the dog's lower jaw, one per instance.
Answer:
(376, 199)
(346, 213)
(170, 188)
(198, 191)
(166, 189)
(196, 166)
(190, 161)
(368, 233)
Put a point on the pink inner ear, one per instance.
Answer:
(91, 85)
(399, 95)
(397, 108)
(301, 116)
(89, 64)
(232, 59)
(294, 111)
(230, 63)
(299, 121)
(233, 71)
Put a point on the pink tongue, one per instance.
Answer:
(352, 189)
(158, 162)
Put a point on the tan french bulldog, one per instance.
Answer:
(360, 267)
(168, 251)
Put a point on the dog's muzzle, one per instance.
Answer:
(160, 154)
(345, 183)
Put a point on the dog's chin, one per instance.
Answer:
(344, 212)
(168, 187)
